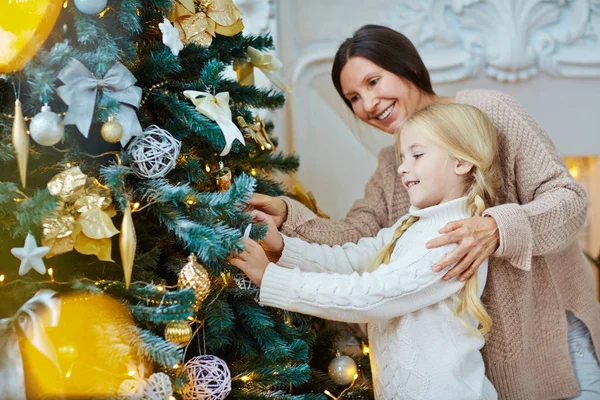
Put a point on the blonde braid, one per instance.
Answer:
(384, 255)
(470, 302)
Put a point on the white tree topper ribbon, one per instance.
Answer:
(217, 109)
(37, 314)
(268, 64)
(79, 93)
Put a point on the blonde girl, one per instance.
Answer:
(425, 333)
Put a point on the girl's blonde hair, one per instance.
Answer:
(466, 134)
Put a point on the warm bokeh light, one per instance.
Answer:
(92, 349)
(580, 166)
(24, 27)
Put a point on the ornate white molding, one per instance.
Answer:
(510, 40)
(257, 15)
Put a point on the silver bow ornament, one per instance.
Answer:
(32, 319)
(217, 109)
(81, 87)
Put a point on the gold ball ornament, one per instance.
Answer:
(112, 131)
(194, 275)
(179, 332)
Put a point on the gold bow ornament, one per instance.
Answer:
(266, 62)
(28, 326)
(199, 21)
(82, 219)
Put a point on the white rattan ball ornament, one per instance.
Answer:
(132, 389)
(244, 283)
(208, 379)
(158, 386)
(154, 153)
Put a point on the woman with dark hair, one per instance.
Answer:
(540, 290)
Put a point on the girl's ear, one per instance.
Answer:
(463, 167)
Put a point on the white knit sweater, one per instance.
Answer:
(419, 349)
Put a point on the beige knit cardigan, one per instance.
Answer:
(536, 275)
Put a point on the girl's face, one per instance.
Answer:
(379, 97)
(429, 173)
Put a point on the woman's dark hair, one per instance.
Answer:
(387, 48)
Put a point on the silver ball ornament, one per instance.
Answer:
(47, 128)
(342, 369)
(90, 7)
(111, 131)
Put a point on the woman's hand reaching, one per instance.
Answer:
(273, 206)
(477, 239)
(252, 261)
(273, 241)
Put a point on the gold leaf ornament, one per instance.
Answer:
(82, 218)
(199, 21)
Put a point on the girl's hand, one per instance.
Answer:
(273, 206)
(477, 239)
(252, 261)
(273, 241)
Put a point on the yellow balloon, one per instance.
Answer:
(24, 27)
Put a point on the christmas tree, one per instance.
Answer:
(128, 160)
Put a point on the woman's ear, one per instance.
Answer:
(463, 167)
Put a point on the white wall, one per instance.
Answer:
(545, 53)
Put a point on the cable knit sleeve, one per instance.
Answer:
(551, 206)
(345, 259)
(401, 287)
(366, 217)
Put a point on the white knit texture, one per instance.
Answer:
(419, 348)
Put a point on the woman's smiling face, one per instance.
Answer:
(378, 97)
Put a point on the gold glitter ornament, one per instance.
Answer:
(112, 131)
(179, 332)
(194, 275)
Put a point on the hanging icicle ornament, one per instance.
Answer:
(154, 153)
(47, 128)
(127, 244)
(179, 332)
(194, 275)
(208, 379)
(217, 109)
(20, 141)
(112, 131)
(91, 7)
(342, 369)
